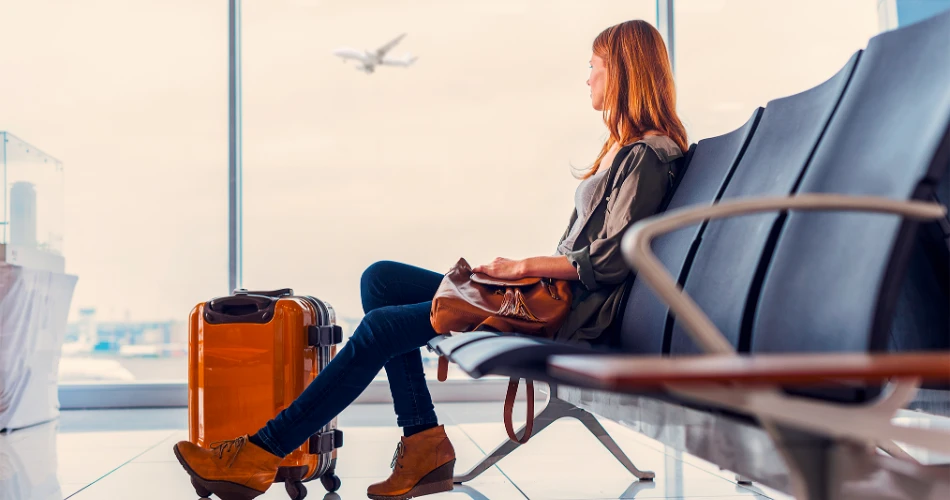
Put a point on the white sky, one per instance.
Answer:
(467, 153)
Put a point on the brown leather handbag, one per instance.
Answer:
(468, 301)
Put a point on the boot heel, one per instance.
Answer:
(436, 481)
(225, 490)
(444, 473)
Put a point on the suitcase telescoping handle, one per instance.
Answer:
(267, 293)
(240, 308)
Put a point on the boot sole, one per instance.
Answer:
(436, 481)
(225, 490)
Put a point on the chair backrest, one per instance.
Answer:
(835, 277)
(922, 311)
(611, 339)
(644, 316)
(733, 253)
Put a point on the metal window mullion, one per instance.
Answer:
(666, 25)
(235, 202)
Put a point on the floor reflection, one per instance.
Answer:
(471, 492)
(638, 487)
(28, 464)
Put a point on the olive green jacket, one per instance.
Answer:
(638, 181)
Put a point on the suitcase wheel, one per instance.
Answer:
(331, 481)
(295, 490)
(200, 490)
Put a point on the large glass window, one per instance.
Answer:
(466, 153)
(735, 55)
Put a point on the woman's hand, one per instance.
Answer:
(503, 268)
(557, 267)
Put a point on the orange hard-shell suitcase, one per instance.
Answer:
(249, 356)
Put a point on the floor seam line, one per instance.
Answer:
(127, 462)
(503, 473)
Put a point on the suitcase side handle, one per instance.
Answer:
(325, 442)
(322, 336)
(242, 308)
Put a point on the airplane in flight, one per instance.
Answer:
(368, 60)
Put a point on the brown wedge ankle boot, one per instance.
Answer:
(232, 470)
(423, 464)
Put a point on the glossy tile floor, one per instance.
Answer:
(123, 454)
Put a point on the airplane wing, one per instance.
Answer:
(399, 62)
(350, 54)
(380, 52)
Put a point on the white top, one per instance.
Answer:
(584, 205)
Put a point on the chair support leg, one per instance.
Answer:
(825, 468)
(743, 480)
(497, 454)
(808, 459)
(551, 412)
(554, 410)
(595, 428)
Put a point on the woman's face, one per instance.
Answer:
(597, 81)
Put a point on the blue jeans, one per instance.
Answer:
(396, 301)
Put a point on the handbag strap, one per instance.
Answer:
(509, 409)
(443, 372)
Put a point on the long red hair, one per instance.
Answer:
(639, 94)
